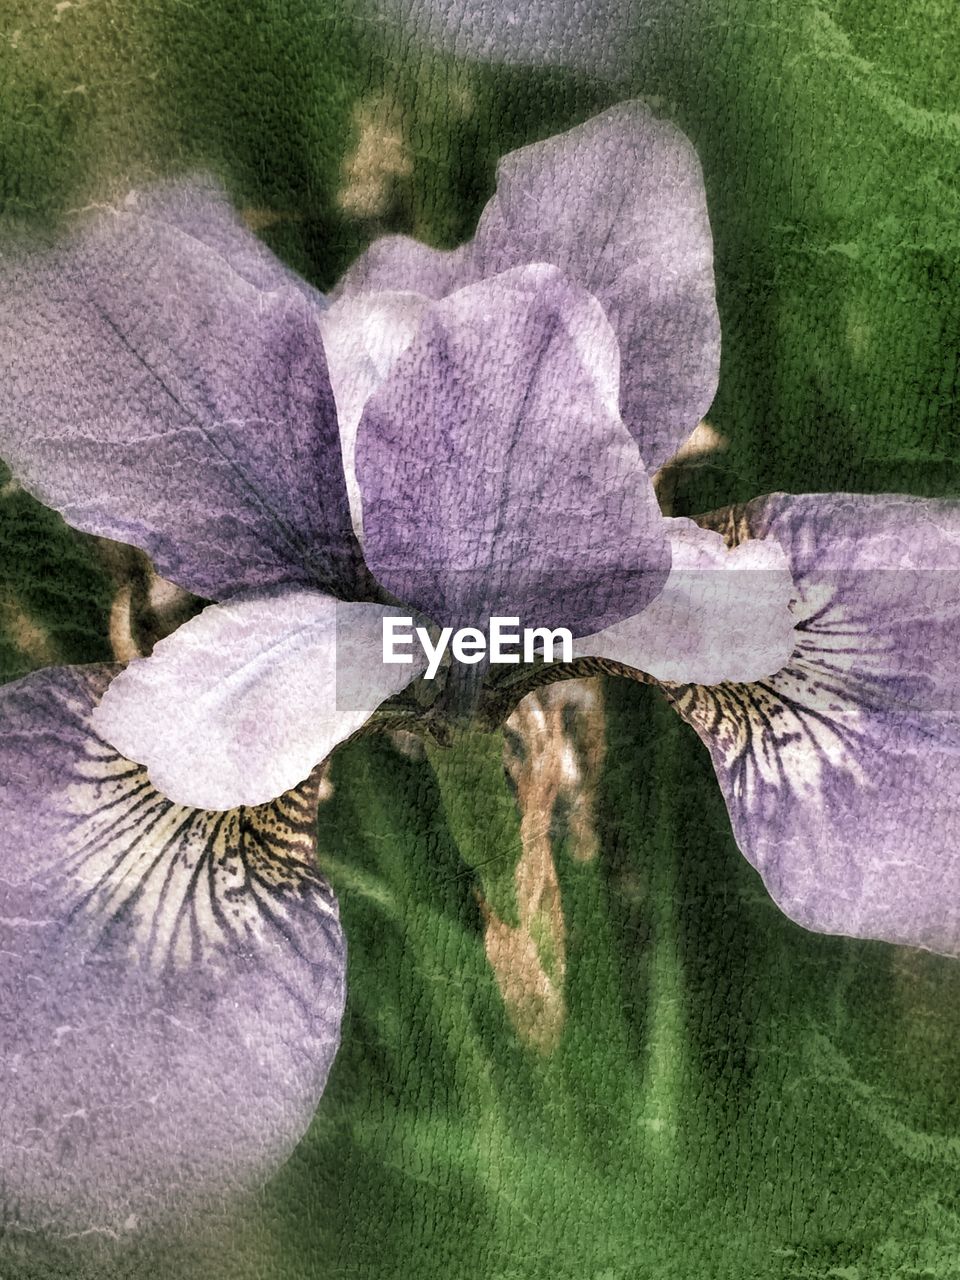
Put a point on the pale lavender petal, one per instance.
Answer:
(171, 981)
(722, 615)
(199, 206)
(398, 264)
(841, 772)
(364, 335)
(597, 36)
(242, 701)
(618, 204)
(156, 396)
(496, 474)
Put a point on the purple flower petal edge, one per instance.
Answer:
(593, 38)
(724, 614)
(242, 701)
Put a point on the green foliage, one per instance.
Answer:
(54, 595)
(826, 131)
(480, 814)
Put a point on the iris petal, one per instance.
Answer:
(171, 981)
(242, 701)
(157, 395)
(497, 476)
(399, 264)
(618, 205)
(364, 335)
(198, 206)
(722, 615)
(592, 37)
(840, 771)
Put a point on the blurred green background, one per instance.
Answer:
(729, 1096)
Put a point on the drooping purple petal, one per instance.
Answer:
(840, 773)
(242, 701)
(496, 474)
(171, 981)
(156, 395)
(722, 615)
(618, 204)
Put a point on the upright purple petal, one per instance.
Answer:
(242, 701)
(171, 981)
(364, 335)
(496, 474)
(841, 772)
(158, 396)
(618, 205)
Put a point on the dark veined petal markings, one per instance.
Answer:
(783, 731)
(186, 883)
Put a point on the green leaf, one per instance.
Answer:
(828, 131)
(481, 814)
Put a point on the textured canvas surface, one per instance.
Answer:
(580, 1040)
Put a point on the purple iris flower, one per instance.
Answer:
(452, 435)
